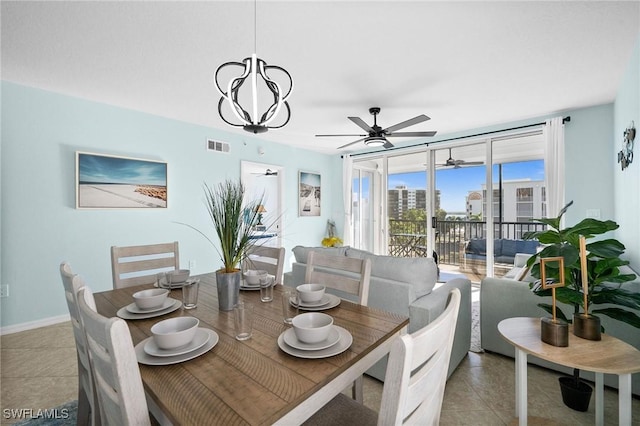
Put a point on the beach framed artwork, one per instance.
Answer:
(113, 182)
(309, 193)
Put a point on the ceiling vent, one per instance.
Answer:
(217, 146)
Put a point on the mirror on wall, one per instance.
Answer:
(267, 181)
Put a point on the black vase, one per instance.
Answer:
(575, 394)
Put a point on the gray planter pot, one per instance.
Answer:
(228, 285)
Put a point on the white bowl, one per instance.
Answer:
(149, 299)
(174, 332)
(178, 275)
(252, 276)
(312, 327)
(310, 293)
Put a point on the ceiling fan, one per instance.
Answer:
(377, 136)
(456, 164)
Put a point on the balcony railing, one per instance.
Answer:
(408, 238)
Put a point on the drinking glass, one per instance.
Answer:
(290, 303)
(162, 281)
(190, 293)
(266, 288)
(243, 315)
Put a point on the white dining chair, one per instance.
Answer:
(88, 407)
(136, 265)
(114, 364)
(270, 259)
(414, 383)
(330, 271)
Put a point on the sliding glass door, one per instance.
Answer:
(444, 200)
(408, 202)
(460, 175)
(363, 207)
(519, 196)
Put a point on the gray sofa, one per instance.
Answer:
(406, 286)
(505, 298)
(504, 250)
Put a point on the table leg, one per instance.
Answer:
(521, 387)
(599, 399)
(624, 399)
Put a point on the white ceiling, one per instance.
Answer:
(464, 64)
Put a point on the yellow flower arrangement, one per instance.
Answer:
(331, 242)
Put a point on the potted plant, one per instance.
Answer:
(232, 221)
(603, 276)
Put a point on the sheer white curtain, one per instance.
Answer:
(347, 172)
(554, 165)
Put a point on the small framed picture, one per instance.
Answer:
(112, 182)
(309, 194)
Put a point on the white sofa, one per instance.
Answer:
(406, 286)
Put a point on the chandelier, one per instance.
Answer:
(256, 72)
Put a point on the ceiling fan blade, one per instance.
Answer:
(351, 143)
(330, 136)
(410, 122)
(360, 123)
(387, 145)
(411, 134)
(472, 163)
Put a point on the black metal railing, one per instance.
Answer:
(409, 238)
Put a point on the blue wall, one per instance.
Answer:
(627, 182)
(41, 131)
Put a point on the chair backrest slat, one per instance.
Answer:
(326, 269)
(136, 265)
(270, 259)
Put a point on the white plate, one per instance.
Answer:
(144, 358)
(125, 314)
(199, 340)
(343, 344)
(291, 340)
(333, 302)
(133, 308)
(324, 301)
(244, 286)
(172, 286)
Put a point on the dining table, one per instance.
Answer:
(253, 381)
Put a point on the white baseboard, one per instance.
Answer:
(10, 329)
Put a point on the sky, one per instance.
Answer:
(103, 169)
(455, 184)
(312, 179)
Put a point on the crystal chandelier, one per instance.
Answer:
(255, 70)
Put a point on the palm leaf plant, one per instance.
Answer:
(232, 221)
(603, 268)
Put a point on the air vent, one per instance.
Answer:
(217, 146)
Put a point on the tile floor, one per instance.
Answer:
(480, 392)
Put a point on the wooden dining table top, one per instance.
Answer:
(252, 381)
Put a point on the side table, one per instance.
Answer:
(606, 356)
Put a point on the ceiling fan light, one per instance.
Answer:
(375, 141)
